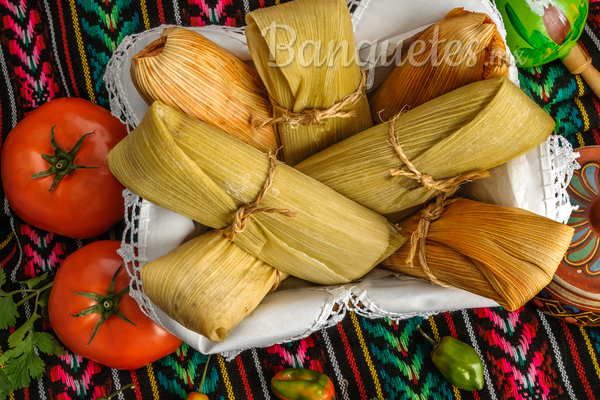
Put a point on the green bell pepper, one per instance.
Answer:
(302, 384)
(458, 362)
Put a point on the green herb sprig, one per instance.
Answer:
(21, 362)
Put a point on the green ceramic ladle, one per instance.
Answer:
(540, 31)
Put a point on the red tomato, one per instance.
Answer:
(117, 343)
(84, 203)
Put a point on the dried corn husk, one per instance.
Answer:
(464, 47)
(185, 70)
(311, 44)
(476, 127)
(187, 166)
(506, 254)
(208, 284)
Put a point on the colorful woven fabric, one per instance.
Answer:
(58, 48)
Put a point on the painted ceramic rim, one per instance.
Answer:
(563, 298)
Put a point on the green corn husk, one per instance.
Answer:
(503, 253)
(476, 127)
(297, 83)
(187, 166)
(208, 284)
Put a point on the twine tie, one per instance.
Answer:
(427, 181)
(314, 116)
(243, 214)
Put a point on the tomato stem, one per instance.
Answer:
(62, 162)
(430, 340)
(204, 375)
(131, 385)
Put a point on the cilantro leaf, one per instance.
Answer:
(33, 282)
(46, 343)
(22, 363)
(5, 385)
(43, 304)
(17, 336)
(8, 312)
(2, 280)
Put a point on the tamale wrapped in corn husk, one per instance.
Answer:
(305, 53)
(185, 70)
(187, 166)
(475, 127)
(505, 254)
(208, 284)
(464, 47)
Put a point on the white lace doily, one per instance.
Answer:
(559, 166)
(372, 297)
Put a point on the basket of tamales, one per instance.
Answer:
(314, 162)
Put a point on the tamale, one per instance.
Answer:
(475, 127)
(305, 53)
(208, 284)
(185, 70)
(187, 166)
(464, 47)
(506, 254)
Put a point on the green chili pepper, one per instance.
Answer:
(457, 361)
(302, 384)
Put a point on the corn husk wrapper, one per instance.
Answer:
(185, 70)
(478, 126)
(187, 166)
(505, 254)
(208, 284)
(311, 45)
(464, 47)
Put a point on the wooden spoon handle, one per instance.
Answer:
(578, 62)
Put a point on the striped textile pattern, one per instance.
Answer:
(58, 48)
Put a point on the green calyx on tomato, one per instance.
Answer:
(62, 162)
(106, 304)
(302, 384)
(458, 362)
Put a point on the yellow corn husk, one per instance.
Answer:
(506, 254)
(478, 126)
(311, 42)
(185, 70)
(464, 47)
(208, 284)
(198, 171)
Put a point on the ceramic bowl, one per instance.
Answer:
(574, 294)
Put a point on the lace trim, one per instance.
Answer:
(357, 7)
(558, 164)
(133, 252)
(341, 300)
